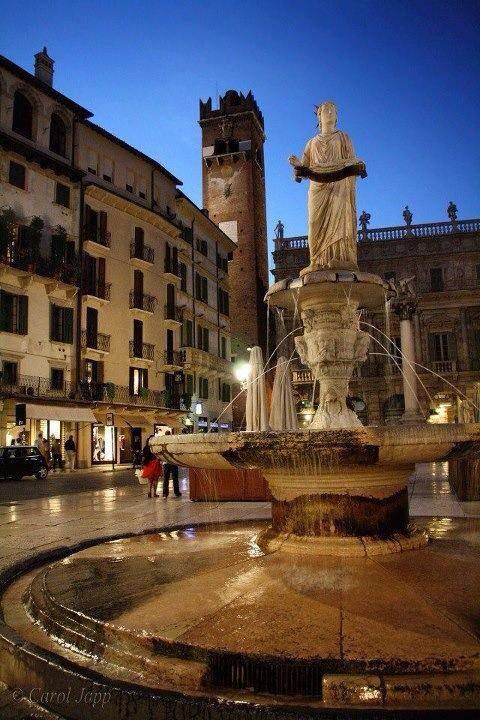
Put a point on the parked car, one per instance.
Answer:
(19, 460)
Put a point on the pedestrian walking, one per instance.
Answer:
(39, 442)
(151, 470)
(70, 450)
(170, 469)
(47, 452)
(56, 453)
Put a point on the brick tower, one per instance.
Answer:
(234, 195)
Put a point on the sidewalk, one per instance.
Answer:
(93, 469)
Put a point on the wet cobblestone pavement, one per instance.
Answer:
(82, 509)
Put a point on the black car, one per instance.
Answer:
(19, 460)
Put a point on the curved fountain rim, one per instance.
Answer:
(381, 435)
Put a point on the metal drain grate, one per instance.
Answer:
(278, 678)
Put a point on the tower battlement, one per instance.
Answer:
(232, 103)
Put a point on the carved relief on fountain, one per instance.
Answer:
(332, 345)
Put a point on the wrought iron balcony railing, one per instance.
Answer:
(31, 386)
(142, 252)
(27, 387)
(29, 260)
(173, 313)
(96, 341)
(98, 289)
(139, 301)
(97, 235)
(142, 350)
(173, 357)
(171, 267)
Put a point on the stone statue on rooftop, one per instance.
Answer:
(407, 216)
(279, 228)
(329, 162)
(452, 212)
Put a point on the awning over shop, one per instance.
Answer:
(60, 412)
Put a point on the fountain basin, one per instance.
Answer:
(348, 485)
(201, 623)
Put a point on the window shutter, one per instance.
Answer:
(101, 274)
(22, 314)
(130, 380)
(431, 347)
(103, 223)
(206, 339)
(99, 366)
(145, 379)
(3, 310)
(52, 322)
(68, 325)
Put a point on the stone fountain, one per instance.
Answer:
(318, 614)
(338, 487)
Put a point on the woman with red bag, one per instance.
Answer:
(152, 469)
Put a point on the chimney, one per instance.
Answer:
(44, 67)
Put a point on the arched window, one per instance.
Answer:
(22, 122)
(58, 135)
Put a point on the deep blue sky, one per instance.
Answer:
(404, 74)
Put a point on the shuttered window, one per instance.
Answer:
(61, 323)
(201, 288)
(182, 271)
(13, 313)
(203, 388)
(203, 338)
(187, 334)
(223, 302)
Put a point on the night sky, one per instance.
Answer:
(404, 75)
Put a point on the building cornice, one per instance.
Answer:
(117, 199)
(45, 160)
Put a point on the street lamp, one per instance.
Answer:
(242, 373)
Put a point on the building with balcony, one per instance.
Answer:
(444, 260)
(100, 262)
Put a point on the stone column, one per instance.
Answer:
(405, 308)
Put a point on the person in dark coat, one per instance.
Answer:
(170, 469)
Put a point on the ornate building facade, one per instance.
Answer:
(441, 262)
(114, 296)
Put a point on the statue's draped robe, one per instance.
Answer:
(332, 219)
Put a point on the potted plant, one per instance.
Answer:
(34, 240)
(144, 393)
(8, 225)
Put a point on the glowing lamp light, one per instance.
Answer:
(242, 372)
(198, 409)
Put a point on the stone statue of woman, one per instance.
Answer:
(330, 164)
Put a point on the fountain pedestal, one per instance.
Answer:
(332, 344)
